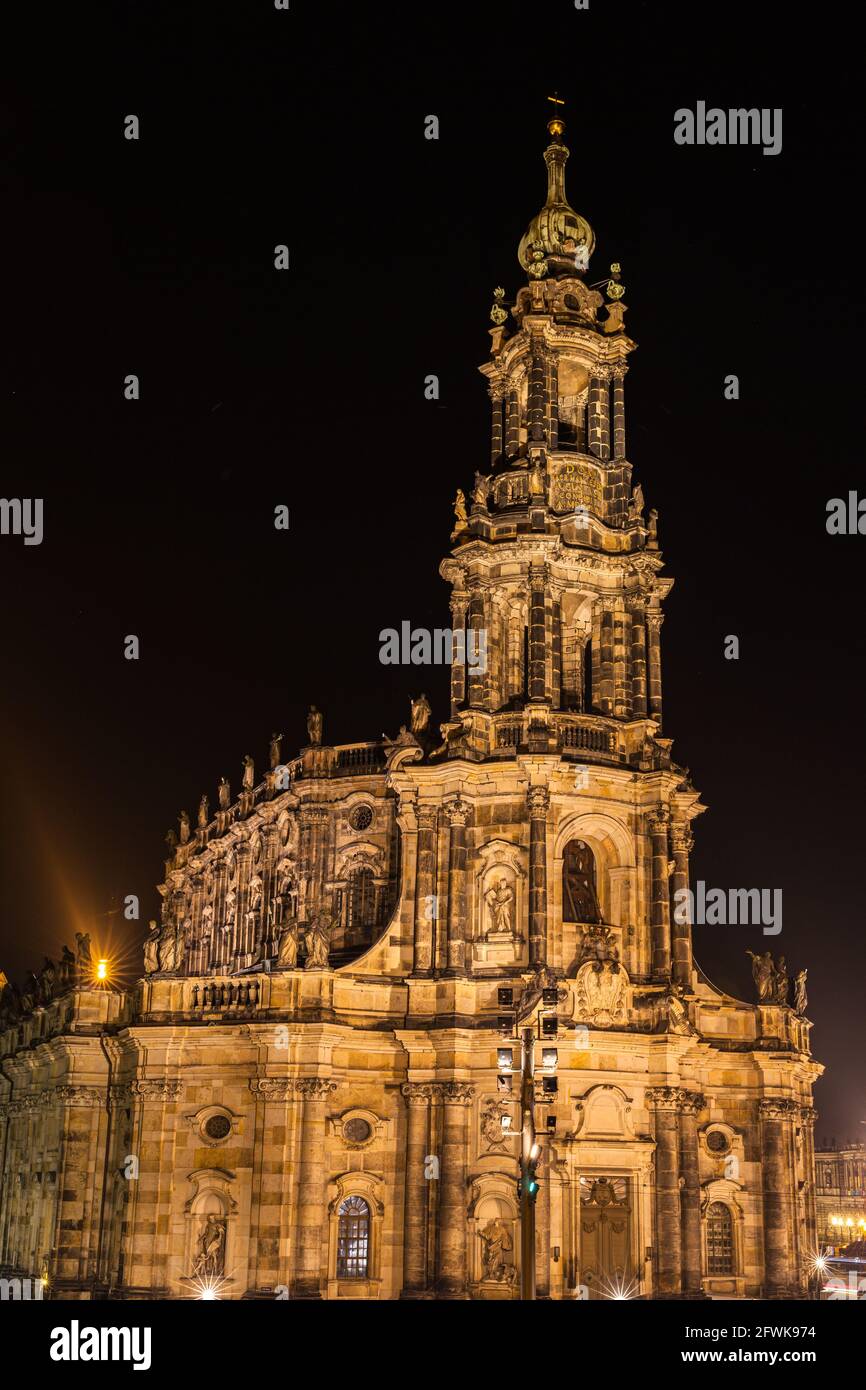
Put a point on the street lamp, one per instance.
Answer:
(528, 1184)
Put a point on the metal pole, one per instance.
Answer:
(527, 1204)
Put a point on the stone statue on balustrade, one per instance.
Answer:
(287, 955)
(314, 727)
(801, 1003)
(317, 942)
(151, 949)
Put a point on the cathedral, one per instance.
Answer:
(308, 1093)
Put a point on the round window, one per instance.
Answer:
(361, 817)
(357, 1131)
(217, 1126)
(717, 1141)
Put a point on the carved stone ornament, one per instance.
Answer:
(157, 1090)
(78, 1095)
(315, 1088)
(273, 1088)
(457, 1092)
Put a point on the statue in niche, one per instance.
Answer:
(636, 505)
(421, 712)
(249, 778)
(274, 750)
(151, 948)
(231, 908)
(500, 905)
(579, 898)
(314, 727)
(207, 921)
(800, 1000)
(536, 479)
(763, 974)
(167, 949)
(317, 942)
(497, 1244)
(211, 1249)
(287, 956)
(203, 806)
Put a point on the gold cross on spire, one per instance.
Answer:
(556, 125)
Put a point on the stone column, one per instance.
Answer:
(681, 930)
(665, 1101)
(808, 1116)
(539, 806)
(536, 393)
(618, 376)
(458, 812)
(779, 1198)
(457, 1097)
(553, 403)
(537, 685)
(661, 922)
(599, 416)
(459, 605)
(621, 663)
(638, 661)
(476, 669)
(512, 426)
(426, 913)
(606, 669)
(654, 625)
(495, 429)
(691, 1104)
(415, 1276)
(309, 1274)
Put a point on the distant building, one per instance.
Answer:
(840, 1188)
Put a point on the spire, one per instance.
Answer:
(557, 230)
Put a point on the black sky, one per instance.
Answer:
(261, 127)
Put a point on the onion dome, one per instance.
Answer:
(557, 230)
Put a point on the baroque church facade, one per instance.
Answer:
(303, 1095)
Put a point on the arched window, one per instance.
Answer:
(362, 901)
(720, 1239)
(353, 1239)
(579, 894)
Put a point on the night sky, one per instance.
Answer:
(306, 388)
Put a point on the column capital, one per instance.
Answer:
(273, 1087)
(659, 820)
(315, 1088)
(674, 1098)
(426, 816)
(458, 810)
(457, 1092)
(538, 799)
(682, 839)
(808, 1114)
(420, 1092)
(655, 620)
(616, 371)
(778, 1108)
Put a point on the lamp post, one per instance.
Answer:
(546, 1026)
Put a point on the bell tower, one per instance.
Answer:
(554, 560)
